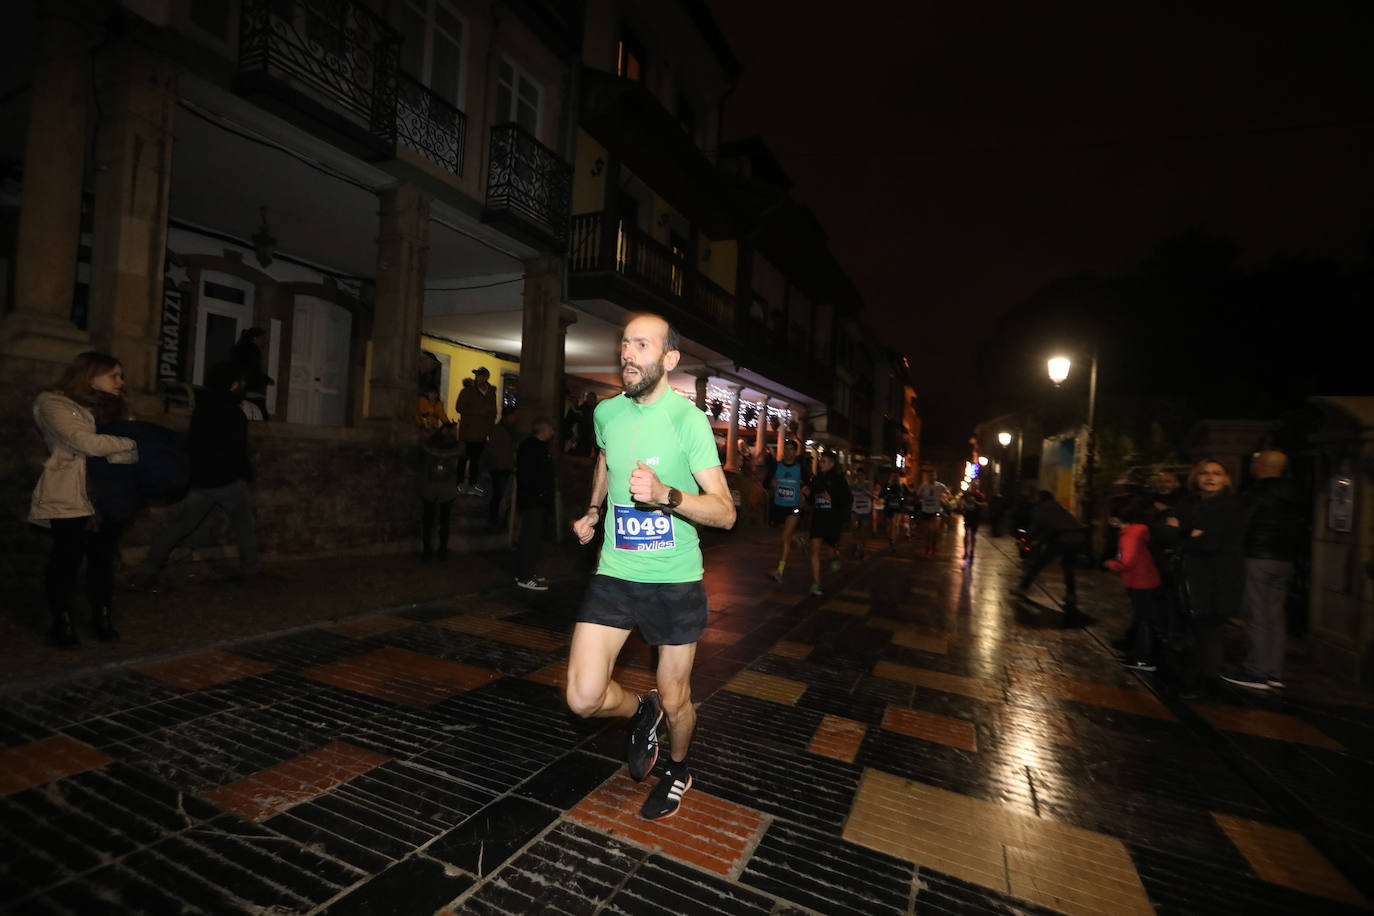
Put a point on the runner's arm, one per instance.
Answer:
(713, 505)
(585, 526)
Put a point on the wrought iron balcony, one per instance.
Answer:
(430, 126)
(654, 268)
(334, 60)
(529, 187)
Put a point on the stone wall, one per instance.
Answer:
(319, 491)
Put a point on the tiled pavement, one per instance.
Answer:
(915, 742)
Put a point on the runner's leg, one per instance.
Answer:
(675, 693)
(590, 691)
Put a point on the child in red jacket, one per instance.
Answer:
(1138, 573)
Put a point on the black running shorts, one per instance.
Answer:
(666, 613)
(828, 525)
(779, 514)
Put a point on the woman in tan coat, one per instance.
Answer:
(60, 501)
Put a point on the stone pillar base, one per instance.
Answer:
(25, 335)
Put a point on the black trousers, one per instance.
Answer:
(443, 511)
(499, 479)
(530, 543)
(73, 540)
(1064, 547)
(472, 462)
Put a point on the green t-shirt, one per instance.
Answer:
(674, 438)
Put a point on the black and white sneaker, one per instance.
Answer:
(1137, 664)
(534, 584)
(641, 751)
(666, 797)
(1246, 679)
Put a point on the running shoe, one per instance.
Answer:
(835, 565)
(641, 750)
(1245, 679)
(534, 584)
(816, 588)
(1275, 684)
(666, 797)
(776, 575)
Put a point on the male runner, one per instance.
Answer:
(931, 497)
(659, 466)
(789, 484)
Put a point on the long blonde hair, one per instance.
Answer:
(75, 382)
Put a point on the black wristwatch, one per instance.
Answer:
(674, 498)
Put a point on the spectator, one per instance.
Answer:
(220, 474)
(1274, 523)
(477, 407)
(1141, 579)
(441, 455)
(500, 456)
(585, 428)
(247, 357)
(429, 411)
(60, 501)
(1059, 536)
(534, 495)
(1206, 527)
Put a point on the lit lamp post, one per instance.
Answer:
(1059, 371)
(1004, 440)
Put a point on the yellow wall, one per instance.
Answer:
(461, 362)
(721, 267)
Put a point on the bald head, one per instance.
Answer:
(1268, 463)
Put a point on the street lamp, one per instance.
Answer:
(1004, 439)
(1059, 371)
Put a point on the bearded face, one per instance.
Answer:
(640, 377)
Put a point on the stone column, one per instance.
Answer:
(759, 432)
(732, 433)
(402, 255)
(701, 392)
(541, 344)
(129, 228)
(40, 325)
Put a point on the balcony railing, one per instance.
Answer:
(335, 53)
(430, 126)
(530, 183)
(652, 265)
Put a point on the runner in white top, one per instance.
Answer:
(930, 494)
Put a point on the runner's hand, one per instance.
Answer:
(584, 528)
(644, 485)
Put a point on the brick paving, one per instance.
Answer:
(915, 741)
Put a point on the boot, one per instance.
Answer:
(104, 626)
(62, 634)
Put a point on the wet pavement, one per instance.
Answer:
(914, 741)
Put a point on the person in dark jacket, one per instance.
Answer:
(1206, 528)
(247, 357)
(830, 497)
(1059, 536)
(220, 473)
(534, 494)
(1273, 525)
(440, 455)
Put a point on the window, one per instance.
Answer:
(678, 244)
(629, 56)
(432, 49)
(518, 97)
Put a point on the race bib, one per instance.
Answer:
(823, 501)
(785, 493)
(642, 529)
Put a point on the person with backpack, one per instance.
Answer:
(217, 444)
(441, 457)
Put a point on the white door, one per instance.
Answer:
(320, 334)
(224, 310)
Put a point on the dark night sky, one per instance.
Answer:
(961, 155)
